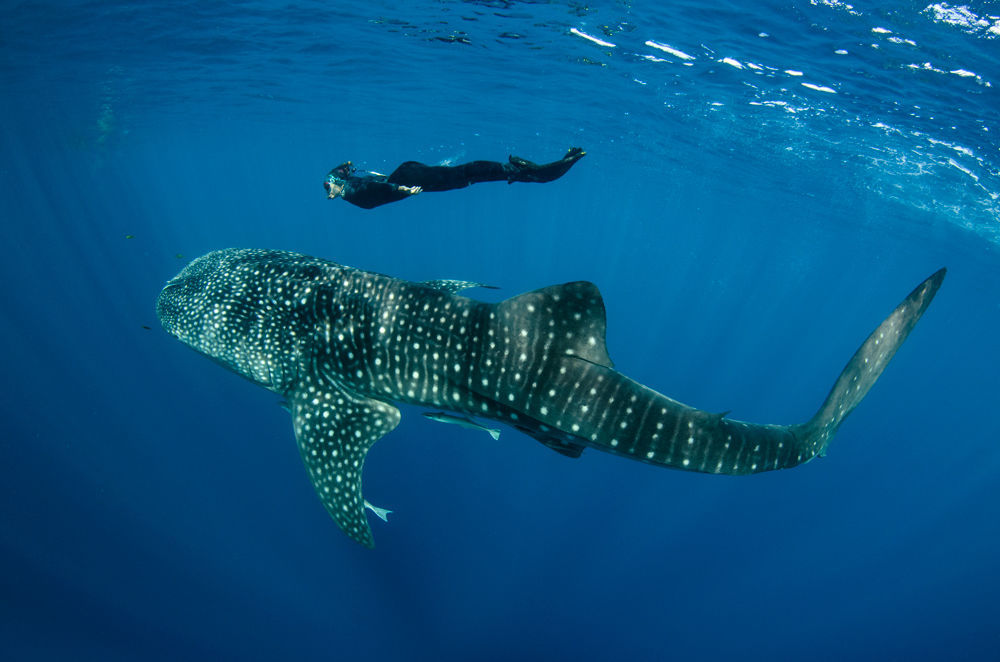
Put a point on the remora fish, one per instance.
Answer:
(461, 421)
(341, 345)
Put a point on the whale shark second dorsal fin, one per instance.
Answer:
(455, 286)
(570, 317)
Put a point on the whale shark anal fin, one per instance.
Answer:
(334, 429)
(567, 448)
(561, 446)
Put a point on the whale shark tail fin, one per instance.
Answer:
(867, 364)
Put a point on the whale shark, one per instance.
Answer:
(344, 346)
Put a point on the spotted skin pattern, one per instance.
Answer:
(342, 345)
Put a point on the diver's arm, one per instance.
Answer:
(368, 194)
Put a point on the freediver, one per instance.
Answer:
(371, 189)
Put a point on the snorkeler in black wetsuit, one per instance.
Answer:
(370, 189)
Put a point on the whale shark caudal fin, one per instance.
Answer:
(867, 364)
(334, 429)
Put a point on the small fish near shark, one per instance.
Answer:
(461, 421)
(342, 345)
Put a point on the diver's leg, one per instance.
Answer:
(446, 178)
(526, 171)
(412, 173)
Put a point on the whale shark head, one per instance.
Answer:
(184, 304)
(244, 309)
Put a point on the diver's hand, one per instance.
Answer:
(412, 190)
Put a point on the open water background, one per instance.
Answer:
(764, 182)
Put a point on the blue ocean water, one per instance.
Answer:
(764, 181)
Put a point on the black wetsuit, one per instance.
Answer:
(369, 189)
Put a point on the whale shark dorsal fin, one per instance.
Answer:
(570, 316)
(455, 286)
(334, 429)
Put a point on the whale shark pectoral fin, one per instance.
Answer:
(334, 429)
(455, 286)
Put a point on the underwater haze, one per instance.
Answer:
(764, 182)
